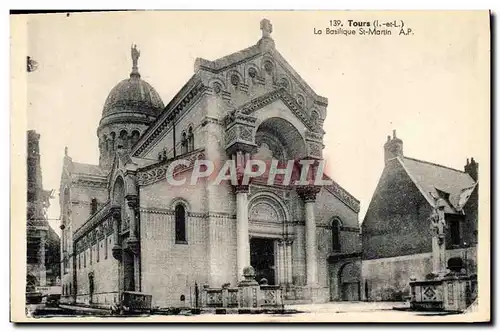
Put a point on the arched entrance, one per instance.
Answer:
(262, 259)
(281, 138)
(267, 228)
(349, 282)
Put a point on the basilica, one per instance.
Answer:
(126, 229)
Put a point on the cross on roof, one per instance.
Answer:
(266, 27)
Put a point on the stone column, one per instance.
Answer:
(133, 241)
(311, 260)
(308, 194)
(132, 205)
(300, 267)
(281, 262)
(288, 262)
(243, 243)
(117, 249)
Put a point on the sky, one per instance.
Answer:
(432, 86)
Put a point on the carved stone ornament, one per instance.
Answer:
(268, 66)
(158, 171)
(217, 88)
(308, 193)
(314, 149)
(132, 201)
(117, 252)
(133, 245)
(235, 80)
(283, 83)
(252, 72)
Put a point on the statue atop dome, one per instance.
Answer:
(135, 53)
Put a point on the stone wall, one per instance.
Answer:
(387, 279)
(396, 221)
(192, 118)
(105, 273)
(169, 269)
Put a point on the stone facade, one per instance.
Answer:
(164, 240)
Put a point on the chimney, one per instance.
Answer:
(393, 147)
(472, 168)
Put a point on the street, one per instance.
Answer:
(327, 312)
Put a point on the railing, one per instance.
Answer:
(212, 297)
(232, 297)
(257, 296)
(270, 295)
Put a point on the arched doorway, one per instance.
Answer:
(267, 226)
(262, 259)
(277, 140)
(281, 138)
(349, 282)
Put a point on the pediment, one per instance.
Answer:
(310, 122)
(122, 164)
(256, 71)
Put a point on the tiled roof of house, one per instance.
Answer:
(435, 180)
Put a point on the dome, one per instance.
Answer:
(133, 96)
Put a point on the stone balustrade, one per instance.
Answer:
(248, 295)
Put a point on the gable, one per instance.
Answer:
(396, 195)
(250, 76)
(242, 77)
(437, 181)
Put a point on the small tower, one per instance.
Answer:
(393, 147)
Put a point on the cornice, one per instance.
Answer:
(157, 172)
(176, 107)
(344, 196)
(94, 220)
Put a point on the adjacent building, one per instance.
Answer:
(43, 244)
(396, 232)
(125, 228)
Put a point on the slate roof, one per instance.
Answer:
(434, 180)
